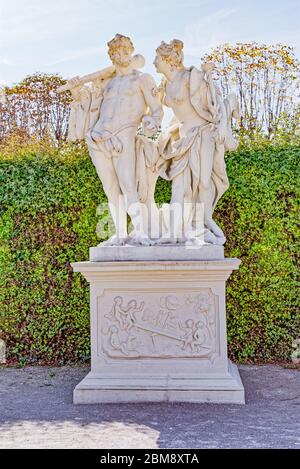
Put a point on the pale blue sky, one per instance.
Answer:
(69, 36)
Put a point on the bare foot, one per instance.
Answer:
(214, 228)
(165, 240)
(194, 242)
(211, 238)
(220, 240)
(206, 238)
(142, 239)
(114, 241)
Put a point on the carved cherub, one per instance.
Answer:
(188, 337)
(117, 344)
(132, 309)
(200, 335)
(125, 316)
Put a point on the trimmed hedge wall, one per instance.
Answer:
(48, 201)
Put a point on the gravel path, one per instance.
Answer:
(36, 411)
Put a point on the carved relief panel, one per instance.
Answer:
(154, 325)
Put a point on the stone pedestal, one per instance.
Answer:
(158, 332)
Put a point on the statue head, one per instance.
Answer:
(169, 56)
(118, 300)
(132, 304)
(200, 324)
(189, 323)
(120, 50)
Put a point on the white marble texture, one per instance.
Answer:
(108, 114)
(164, 252)
(193, 147)
(108, 108)
(157, 294)
(158, 332)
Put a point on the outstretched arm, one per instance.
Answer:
(200, 94)
(152, 121)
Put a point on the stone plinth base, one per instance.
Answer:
(158, 333)
(223, 389)
(166, 252)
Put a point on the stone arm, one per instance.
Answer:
(152, 121)
(182, 327)
(79, 112)
(200, 95)
(85, 107)
(221, 132)
(140, 308)
(76, 88)
(162, 90)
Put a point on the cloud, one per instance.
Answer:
(35, 20)
(207, 32)
(69, 36)
(77, 54)
(6, 61)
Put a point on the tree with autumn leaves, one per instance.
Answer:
(267, 82)
(33, 108)
(265, 78)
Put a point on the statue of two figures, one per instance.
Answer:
(120, 108)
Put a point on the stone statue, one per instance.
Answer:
(108, 109)
(158, 315)
(108, 114)
(192, 149)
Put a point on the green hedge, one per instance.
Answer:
(48, 201)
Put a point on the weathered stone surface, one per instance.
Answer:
(37, 412)
(110, 106)
(164, 252)
(158, 333)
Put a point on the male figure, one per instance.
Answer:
(130, 98)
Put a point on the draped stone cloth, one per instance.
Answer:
(84, 112)
(184, 155)
(146, 159)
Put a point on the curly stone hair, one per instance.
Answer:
(119, 41)
(172, 53)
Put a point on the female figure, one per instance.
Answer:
(192, 150)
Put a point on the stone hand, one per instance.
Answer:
(74, 82)
(113, 145)
(74, 85)
(208, 67)
(149, 126)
